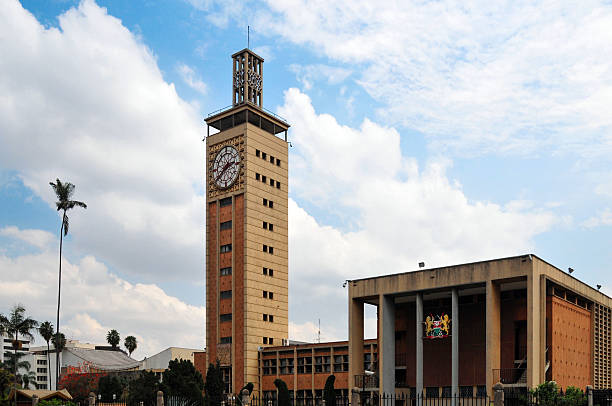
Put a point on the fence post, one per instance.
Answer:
(34, 400)
(355, 397)
(589, 391)
(160, 398)
(244, 397)
(91, 399)
(498, 394)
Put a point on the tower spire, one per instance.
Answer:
(248, 78)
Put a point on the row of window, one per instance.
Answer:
(268, 340)
(225, 294)
(227, 201)
(225, 317)
(268, 295)
(41, 361)
(268, 226)
(226, 340)
(264, 179)
(268, 249)
(228, 271)
(304, 397)
(263, 155)
(226, 248)
(304, 365)
(226, 225)
(464, 391)
(268, 317)
(268, 203)
(41, 370)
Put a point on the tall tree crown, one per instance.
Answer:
(112, 337)
(64, 192)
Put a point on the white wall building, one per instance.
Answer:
(159, 362)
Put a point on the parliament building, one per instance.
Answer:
(451, 330)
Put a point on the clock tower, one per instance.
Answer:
(246, 228)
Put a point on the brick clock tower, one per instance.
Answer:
(246, 228)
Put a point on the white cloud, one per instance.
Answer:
(603, 218)
(307, 75)
(36, 238)
(480, 77)
(191, 79)
(88, 104)
(94, 300)
(389, 213)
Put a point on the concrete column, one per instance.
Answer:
(419, 345)
(534, 321)
(493, 332)
(498, 394)
(455, 344)
(160, 398)
(355, 339)
(386, 341)
(589, 393)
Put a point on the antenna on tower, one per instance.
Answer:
(319, 333)
(248, 37)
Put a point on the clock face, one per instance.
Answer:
(226, 167)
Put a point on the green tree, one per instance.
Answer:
(574, 397)
(63, 192)
(46, 331)
(183, 380)
(143, 389)
(27, 378)
(130, 344)
(56, 402)
(16, 325)
(6, 380)
(283, 392)
(108, 386)
(546, 394)
(329, 393)
(112, 337)
(214, 384)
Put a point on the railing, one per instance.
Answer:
(510, 376)
(221, 110)
(422, 400)
(366, 381)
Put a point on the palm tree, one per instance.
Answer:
(15, 325)
(59, 343)
(28, 377)
(112, 337)
(46, 331)
(64, 192)
(130, 344)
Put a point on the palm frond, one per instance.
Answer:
(46, 330)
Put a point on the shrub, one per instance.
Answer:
(329, 393)
(214, 384)
(283, 392)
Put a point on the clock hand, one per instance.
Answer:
(227, 165)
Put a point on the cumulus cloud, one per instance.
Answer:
(86, 102)
(94, 300)
(388, 212)
(36, 238)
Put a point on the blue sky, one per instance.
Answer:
(420, 131)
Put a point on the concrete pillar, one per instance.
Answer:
(91, 399)
(34, 400)
(536, 316)
(419, 345)
(589, 393)
(356, 398)
(386, 329)
(493, 332)
(455, 345)
(355, 339)
(498, 394)
(160, 398)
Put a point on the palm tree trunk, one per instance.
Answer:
(15, 365)
(59, 291)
